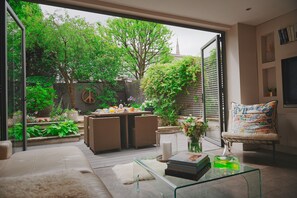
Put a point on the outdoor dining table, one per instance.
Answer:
(124, 122)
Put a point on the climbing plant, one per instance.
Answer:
(163, 82)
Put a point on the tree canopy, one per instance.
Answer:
(79, 52)
(142, 43)
(38, 61)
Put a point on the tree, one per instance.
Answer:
(38, 61)
(79, 53)
(142, 43)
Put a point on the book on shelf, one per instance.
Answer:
(281, 39)
(186, 175)
(292, 32)
(186, 168)
(290, 36)
(285, 35)
(188, 158)
(295, 31)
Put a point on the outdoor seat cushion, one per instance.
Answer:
(5, 149)
(251, 137)
(45, 160)
(257, 118)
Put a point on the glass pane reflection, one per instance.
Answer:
(14, 81)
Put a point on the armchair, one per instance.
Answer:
(144, 132)
(104, 134)
(256, 124)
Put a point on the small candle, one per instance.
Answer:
(167, 150)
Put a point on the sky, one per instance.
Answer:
(190, 40)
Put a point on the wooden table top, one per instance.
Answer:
(121, 113)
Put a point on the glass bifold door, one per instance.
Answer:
(12, 75)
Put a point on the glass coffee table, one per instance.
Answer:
(217, 182)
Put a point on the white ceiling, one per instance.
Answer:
(227, 12)
(224, 12)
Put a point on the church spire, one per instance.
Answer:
(177, 47)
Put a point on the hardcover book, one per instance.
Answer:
(188, 158)
(190, 176)
(286, 35)
(188, 169)
(281, 40)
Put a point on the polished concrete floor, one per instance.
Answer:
(279, 178)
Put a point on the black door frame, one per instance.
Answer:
(4, 8)
(220, 61)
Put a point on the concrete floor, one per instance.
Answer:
(279, 178)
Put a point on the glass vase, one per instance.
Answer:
(194, 145)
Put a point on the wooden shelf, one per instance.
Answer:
(268, 65)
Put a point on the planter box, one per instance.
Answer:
(49, 140)
(42, 125)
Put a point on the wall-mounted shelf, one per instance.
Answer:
(267, 48)
(269, 82)
(268, 65)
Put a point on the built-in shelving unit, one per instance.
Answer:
(271, 51)
(268, 65)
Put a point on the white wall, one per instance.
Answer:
(248, 64)
(232, 63)
(287, 116)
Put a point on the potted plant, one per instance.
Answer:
(195, 129)
(147, 105)
(72, 114)
(17, 116)
(270, 92)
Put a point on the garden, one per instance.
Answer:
(71, 51)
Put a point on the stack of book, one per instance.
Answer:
(188, 165)
(288, 34)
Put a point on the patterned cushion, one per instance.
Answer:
(258, 118)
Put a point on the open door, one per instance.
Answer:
(213, 94)
(12, 78)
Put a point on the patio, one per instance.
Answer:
(272, 173)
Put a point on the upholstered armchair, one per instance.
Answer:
(104, 134)
(86, 129)
(144, 131)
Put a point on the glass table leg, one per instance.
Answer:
(254, 184)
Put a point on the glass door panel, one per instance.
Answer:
(212, 89)
(16, 112)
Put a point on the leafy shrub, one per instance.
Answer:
(147, 104)
(57, 110)
(16, 132)
(62, 129)
(42, 80)
(163, 82)
(39, 98)
(35, 131)
(136, 105)
(107, 98)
